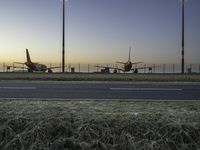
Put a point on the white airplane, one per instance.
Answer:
(127, 66)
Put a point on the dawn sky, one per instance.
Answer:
(99, 31)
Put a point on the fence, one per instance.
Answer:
(90, 68)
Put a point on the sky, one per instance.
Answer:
(99, 31)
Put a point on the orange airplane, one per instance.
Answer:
(35, 67)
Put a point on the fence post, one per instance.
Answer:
(88, 68)
(79, 67)
(173, 68)
(69, 67)
(163, 68)
(13, 67)
(23, 67)
(97, 68)
(5, 66)
(154, 68)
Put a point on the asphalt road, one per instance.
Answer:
(106, 90)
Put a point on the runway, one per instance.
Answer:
(101, 91)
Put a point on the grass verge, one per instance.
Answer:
(100, 77)
(102, 125)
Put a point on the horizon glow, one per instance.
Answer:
(99, 31)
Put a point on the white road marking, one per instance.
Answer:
(18, 88)
(145, 89)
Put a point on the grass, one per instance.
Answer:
(100, 77)
(100, 125)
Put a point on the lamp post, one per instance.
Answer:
(183, 36)
(63, 39)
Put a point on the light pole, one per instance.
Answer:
(183, 36)
(63, 39)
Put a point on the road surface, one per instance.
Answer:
(98, 91)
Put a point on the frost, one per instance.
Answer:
(99, 125)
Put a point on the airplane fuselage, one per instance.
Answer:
(35, 67)
(127, 66)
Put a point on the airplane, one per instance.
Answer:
(127, 66)
(34, 67)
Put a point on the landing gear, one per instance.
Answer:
(50, 71)
(135, 71)
(29, 70)
(115, 71)
(150, 69)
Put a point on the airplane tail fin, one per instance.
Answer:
(129, 56)
(28, 56)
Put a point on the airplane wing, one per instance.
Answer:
(132, 63)
(147, 67)
(120, 62)
(115, 68)
(50, 69)
(137, 63)
(54, 67)
(14, 66)
(19, 63)
(20, 67)
(139, 68)
(151, 67)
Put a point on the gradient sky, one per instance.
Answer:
(99, 31)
